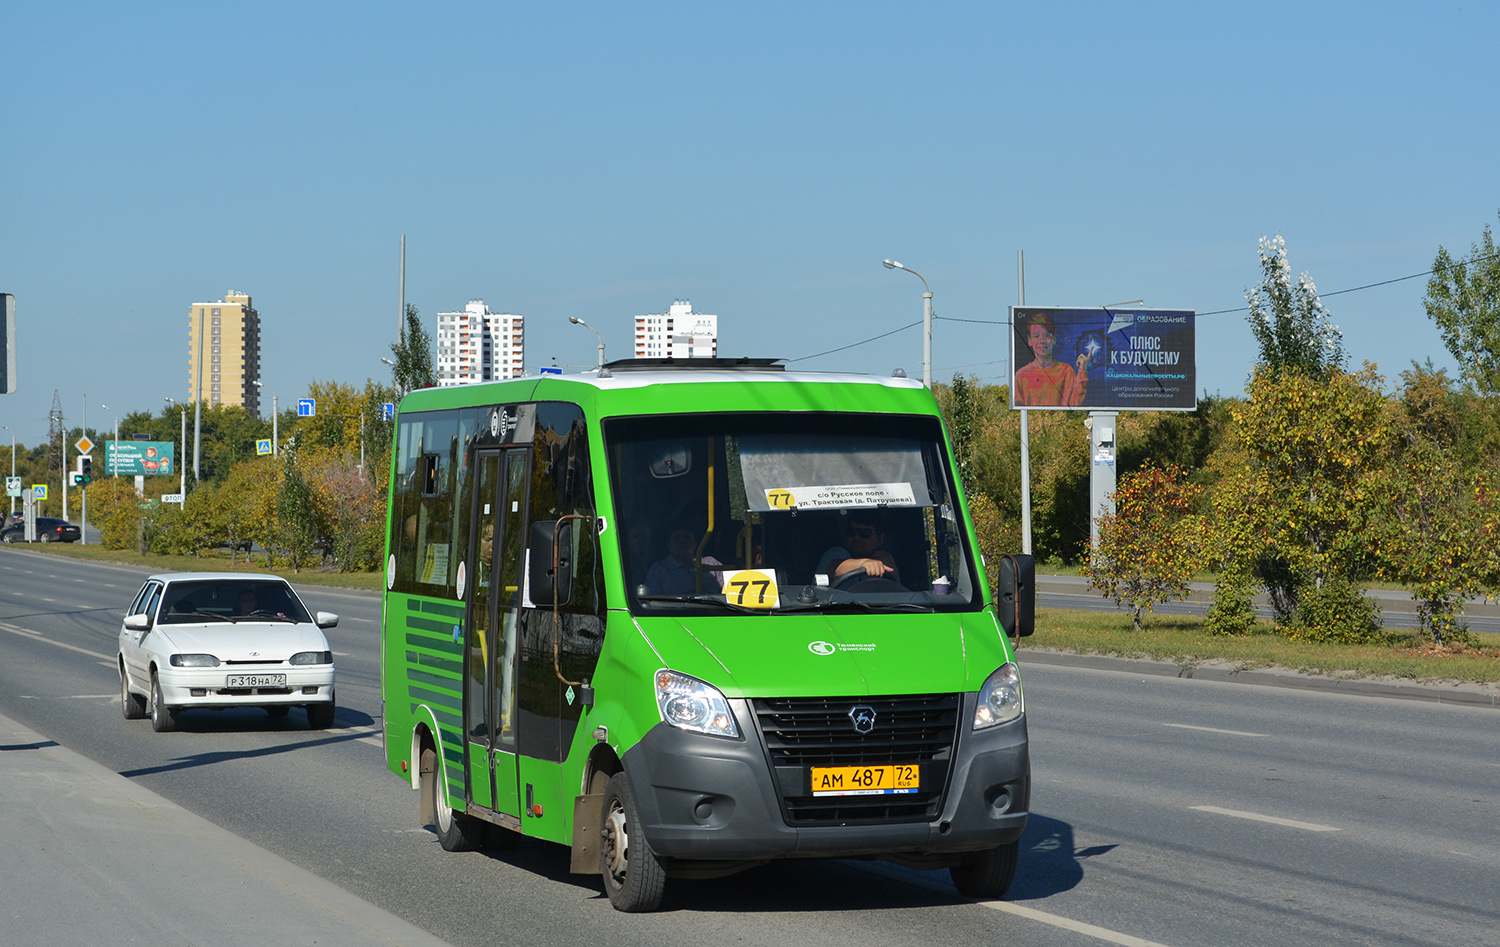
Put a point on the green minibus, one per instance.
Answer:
(687, 617)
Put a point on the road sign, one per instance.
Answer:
(551, 370)
(13, 486)
(387, 411)
(84, 445)
(263, 446)
(171, 497)
(306, 407)
(39, 491)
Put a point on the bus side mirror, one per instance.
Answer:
(548, 540)
(1016, 594)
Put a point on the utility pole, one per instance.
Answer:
(401, 296)
(1025, 427)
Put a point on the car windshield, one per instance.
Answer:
(230, 600)
(787, 512)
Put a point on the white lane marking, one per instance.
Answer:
(1031, 914)
(1068, 924)
(91, 696)
(35, 637)
(368, 621)
(1234, 733)
(1257, 817)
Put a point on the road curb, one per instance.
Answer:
(1432, 693)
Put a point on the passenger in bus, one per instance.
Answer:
(864, 537)
(674, 574)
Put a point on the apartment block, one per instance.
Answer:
(677, 333)
(224, 352)
(475, 345)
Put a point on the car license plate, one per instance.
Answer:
(256, 680)
(864, 780)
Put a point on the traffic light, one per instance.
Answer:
(85, 474)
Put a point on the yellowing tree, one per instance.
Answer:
(1150, 547)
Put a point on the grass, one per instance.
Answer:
(1181, 639)
(212, 560)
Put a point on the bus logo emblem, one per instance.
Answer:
(821, 647)
(863, 718)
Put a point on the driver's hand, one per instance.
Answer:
(872, 567)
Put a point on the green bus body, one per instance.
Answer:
(530, 659)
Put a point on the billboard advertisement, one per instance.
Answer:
(138, 458)
(1103, 359)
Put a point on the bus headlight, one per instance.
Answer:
(689, 704)
(1000, 698)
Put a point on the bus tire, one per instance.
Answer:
(986, 874)
(633, 878)
(456, 832)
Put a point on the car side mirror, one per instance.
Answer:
(327, 620)
(1015, 594)
(141, 622)
(547, 539)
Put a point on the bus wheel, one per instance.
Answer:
(633, 878)
(986, 874)
(455, 832)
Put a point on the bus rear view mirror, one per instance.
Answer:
(1015, 594)
(672, 460)
(550, 544)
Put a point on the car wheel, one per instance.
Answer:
(163, 718)
(9, 537)
(133, 706)
(456, 832)
(47, 537)
(633, 878)
(320, 716)
(986, 874)
(278, 710)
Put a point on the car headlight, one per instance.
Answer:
(689, 704)
(194, 661)
(311, 657)
(1000, 698)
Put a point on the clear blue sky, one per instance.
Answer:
(602, 160)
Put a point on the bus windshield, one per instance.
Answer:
(787, 512)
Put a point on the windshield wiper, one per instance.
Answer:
(690, 599)
(261, 616)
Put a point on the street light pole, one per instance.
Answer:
(115, 468)
(579, 322)
(926, 319)
(275, 417)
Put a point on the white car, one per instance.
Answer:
(193, 639)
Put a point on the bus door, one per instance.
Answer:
(497, 544)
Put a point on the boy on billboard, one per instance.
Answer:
(1046, 381)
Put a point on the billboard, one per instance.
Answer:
(138, 458)
(1103, 359)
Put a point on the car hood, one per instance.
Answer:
(832, 655)
(245, 641)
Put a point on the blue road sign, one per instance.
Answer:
(263, 446)
(551, 370)
(306, 407)
(387, 411)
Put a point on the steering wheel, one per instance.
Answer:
(849, 578)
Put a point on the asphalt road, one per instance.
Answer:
(1166, 810)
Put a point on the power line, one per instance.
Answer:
(910, 325)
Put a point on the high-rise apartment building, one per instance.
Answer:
(224, 352)
(677, 333)
(476, 345)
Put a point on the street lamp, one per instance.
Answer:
(115, 471)
(926, 320)
(579, 322)
(275, 416)
(12, 466)
(181, 467)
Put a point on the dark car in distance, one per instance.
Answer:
(49, 529)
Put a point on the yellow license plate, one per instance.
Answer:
(864, 780)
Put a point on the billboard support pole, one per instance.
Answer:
(1025, 427)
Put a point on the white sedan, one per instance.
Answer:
(195, 639)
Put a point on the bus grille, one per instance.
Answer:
(800, 733)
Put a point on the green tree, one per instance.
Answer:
(1301, 480)
(1289, 320)
(1463, 298)
(962, 425)
(413, 355)
(1150, 546)
(296, 515)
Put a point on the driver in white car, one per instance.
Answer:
(864, 538)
